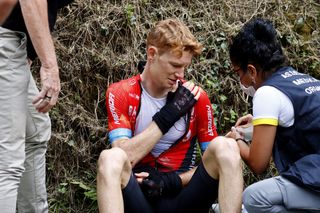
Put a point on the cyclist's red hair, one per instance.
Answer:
(173, 35)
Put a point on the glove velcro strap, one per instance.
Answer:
(164, 119)
(179, 104)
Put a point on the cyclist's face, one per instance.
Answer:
(167, 68)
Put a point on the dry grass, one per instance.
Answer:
(99, 42)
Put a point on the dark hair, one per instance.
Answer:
(257, 44)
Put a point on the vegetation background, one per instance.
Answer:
(99, 42)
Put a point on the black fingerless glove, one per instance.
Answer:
(161, 184)
(182, 100)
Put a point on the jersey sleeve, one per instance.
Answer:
(266, 106)
(206, 129)
(117, 109)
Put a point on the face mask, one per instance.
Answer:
(248, 90)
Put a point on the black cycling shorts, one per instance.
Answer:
(196, 197)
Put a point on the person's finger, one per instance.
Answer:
(229, 134)
(198, 93)
(244, 120)
(45, 100)
(139, 180)
(232, 135)
(186, 84)
(141, 174)
(174, 88)
(241, 121)
(189, 85)
(53, 97)
(39, 97)
(42, 105)
(46, 108)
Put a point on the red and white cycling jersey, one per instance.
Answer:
(123, 104)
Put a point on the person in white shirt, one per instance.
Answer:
(286, 123)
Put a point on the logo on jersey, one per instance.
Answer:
(113, 109)
(193, 157)
(132, 111)
(210, 120)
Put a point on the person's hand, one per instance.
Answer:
(155, 184)
(232, 133)
(179, 82)
(178, 104)
(141, 176)
(48, 95)
(244, 120)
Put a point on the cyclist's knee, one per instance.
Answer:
(112, 161)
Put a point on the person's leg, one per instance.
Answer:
(298, 198)
(220, 168)
(116, 187)
(13, 108)
(197, 196)
(222, 161)
(113, 174)
(32, 194)
(279, 195)
(133, 198)
(264, 196)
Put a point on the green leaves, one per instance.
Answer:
(129, 10)
(90, 192)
